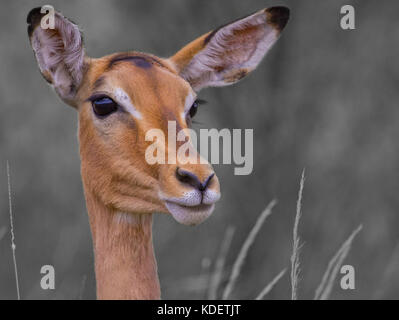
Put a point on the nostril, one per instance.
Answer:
(191, 179)
(205, 184)
(188, 177)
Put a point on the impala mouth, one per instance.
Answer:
(190, 215)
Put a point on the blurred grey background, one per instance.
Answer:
(324, 99)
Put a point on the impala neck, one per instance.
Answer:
(124, 256)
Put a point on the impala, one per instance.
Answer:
(119, 98)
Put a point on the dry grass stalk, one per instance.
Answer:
(13, 246)
(271, 285)
(244, 250)
(216, 277)
(295, 265)
(324, 290)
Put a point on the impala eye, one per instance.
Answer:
(194, 108)
(104, 106)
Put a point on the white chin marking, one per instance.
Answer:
(190, 215)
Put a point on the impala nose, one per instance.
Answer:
(191, 179)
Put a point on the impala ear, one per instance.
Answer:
(227, 54)
(59, 53)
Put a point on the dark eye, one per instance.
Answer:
(104, 106)
(194, 109)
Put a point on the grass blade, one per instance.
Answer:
(295, 265)
(216, 277)
(271, 285)
(324, 290)
(244, 250)
(13, 246)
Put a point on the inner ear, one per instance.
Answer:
(59, 53)
(229, 53)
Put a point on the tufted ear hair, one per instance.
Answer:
(227, 54)
(59, 53)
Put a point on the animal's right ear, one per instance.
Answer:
(229, 53)
(59, 53)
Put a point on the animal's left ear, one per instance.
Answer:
(59, 53)
(227, 54)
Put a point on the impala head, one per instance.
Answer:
(121, 96)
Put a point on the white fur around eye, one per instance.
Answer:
(123, 99)
(190, 99)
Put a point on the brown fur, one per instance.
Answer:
(115, 174)
(122, 190)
